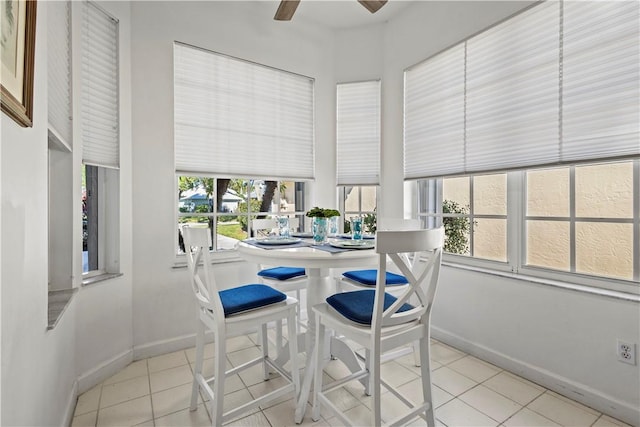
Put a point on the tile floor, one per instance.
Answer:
(467, 392)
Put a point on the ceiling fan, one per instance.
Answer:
(288, 7)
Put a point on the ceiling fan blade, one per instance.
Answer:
(372, 5)
(286, 10)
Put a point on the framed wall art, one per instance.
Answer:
(17, 43)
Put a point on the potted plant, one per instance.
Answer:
(320, 223)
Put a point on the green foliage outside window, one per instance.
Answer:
(456, 229)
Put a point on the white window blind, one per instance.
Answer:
(59, 71)
(601, 90)
(100, 125)
(512, 78)
(237, 118)
(557, 83)
(358, 133)
(434, 115)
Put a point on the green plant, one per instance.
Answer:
(456, 229)
(242, 208)
(370, 223)
(317, 212)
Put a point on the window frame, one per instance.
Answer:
(516, 235)
(344, 214)
(223, 255)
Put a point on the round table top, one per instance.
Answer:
(307, 257)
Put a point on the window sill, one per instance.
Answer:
(99, 278)
(58, 303)
(217, 258)
(556, 283)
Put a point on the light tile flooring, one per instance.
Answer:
(467, 392)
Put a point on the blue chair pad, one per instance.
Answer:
(248, 297)
(357, 306)
(368, 277)
(282, 273)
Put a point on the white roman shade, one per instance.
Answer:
(358, 133)
(234, 118)
(600, 88)
(59, 71)
(557, 83)
(100, 124)
(434, 115)
(512, 112)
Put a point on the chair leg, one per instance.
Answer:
(220, 374)
(416, 353)
(425, 371)
(265, 349)
(198, 368)
(293, 353)
(317, 377)
(278, 337)
(367, 365)
(374, 384)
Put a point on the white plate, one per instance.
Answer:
(364, 236)
(305, 235)
(277, 241)
(352, 244)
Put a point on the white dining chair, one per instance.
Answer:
(396, 283)
(285, 279)
(232, 312)
(380, 322)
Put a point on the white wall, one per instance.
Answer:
(163, 303)
(37, 365)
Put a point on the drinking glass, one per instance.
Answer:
(356, 228)
(284, 231)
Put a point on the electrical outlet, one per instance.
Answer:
(626, 352)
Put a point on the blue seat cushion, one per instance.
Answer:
(248, 297)
(368, 277)
(357, 306)
(282, 273)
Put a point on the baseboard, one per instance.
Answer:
(71, 405)
(169, 345)
(104, 371)
(561, 385)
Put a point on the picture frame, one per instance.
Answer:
(18, 40)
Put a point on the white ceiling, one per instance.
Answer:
(344, 13)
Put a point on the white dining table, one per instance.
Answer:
(320, 285)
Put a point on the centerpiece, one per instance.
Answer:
(322, 220)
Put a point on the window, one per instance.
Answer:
(473, 210)
(358, 115)
(234, 119)
(581, 219)
(100, 142)
(60, 156)
(227, 206)
(556, 84)
(578, 223)
(359, 201)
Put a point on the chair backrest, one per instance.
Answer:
(268, 224)
(421, 269)
(203, 282)
(263, 225)
(397, 224)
